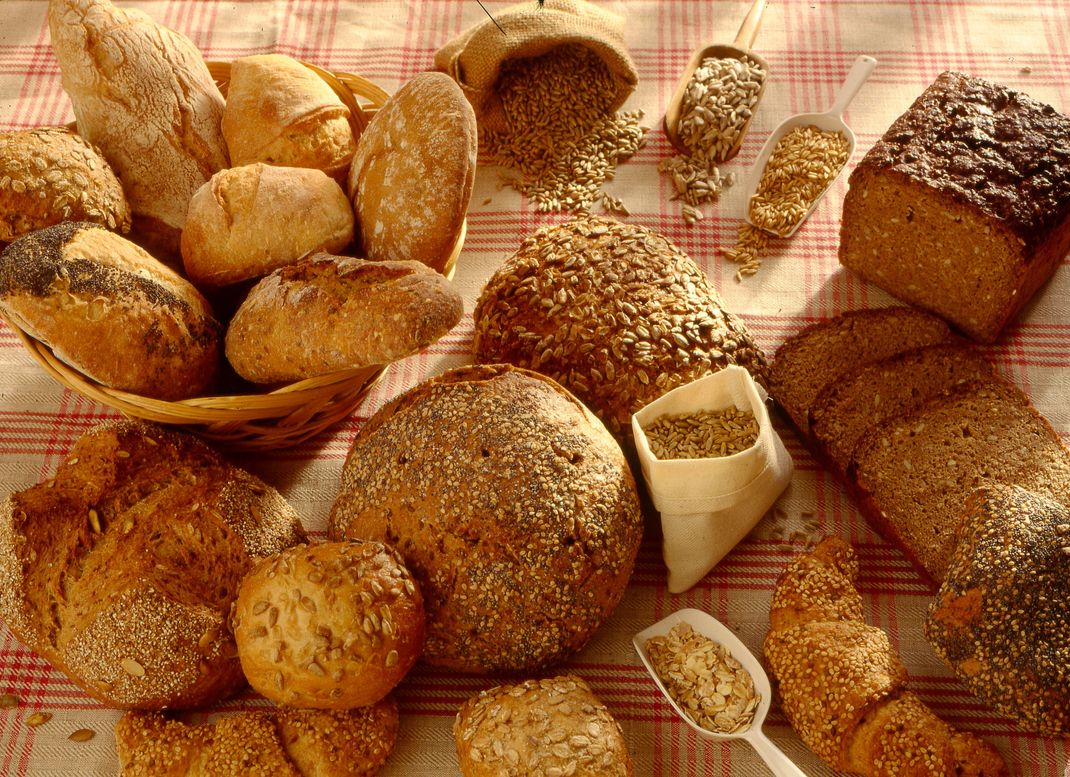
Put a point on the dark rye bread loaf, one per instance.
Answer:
(821, 354)
(914, 472)
(121, 569)
(963, 206)
(873, 393)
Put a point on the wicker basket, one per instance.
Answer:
(275, 419)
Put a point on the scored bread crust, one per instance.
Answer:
(122, 568)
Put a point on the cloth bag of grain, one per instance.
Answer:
(708, 505)
(474, 58)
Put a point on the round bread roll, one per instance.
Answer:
(512, 505)
(614, 312)
(551, 726)
(111, 311)
(247, 221)
(280, 112)
(329, 626)
(411, 177)
(49, 175)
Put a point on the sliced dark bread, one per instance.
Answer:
(872, 393)
(821, 354)
(914, 473)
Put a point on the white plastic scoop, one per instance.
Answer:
(708, 626)
(829, 121)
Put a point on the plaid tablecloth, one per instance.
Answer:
(809, 44)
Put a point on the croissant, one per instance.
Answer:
(843, 687)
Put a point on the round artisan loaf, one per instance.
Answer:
(512, 505)
(280, 112)
(614, 312)
(551, 726)
(412, 174)
(111, 311)
(330, 626)
(121, 570)
(331, 313)
(247, 221)
(49, 175)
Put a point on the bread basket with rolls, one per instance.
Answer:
(246, 415)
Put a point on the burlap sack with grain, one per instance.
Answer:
(474, 59)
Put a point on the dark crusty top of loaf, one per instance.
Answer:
(982, 144)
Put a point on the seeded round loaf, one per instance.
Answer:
(329, 626)
(512, 505)
(614, 312)
(121, 570)
(49, 175)
(551, 726)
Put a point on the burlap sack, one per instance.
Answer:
(474, 58)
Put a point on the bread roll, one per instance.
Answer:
(50, 175)
(247, 221)
(281, 743)
(110, 310)
(143, 95)
(331, 626)
(331, 313)
(512, 505)
(551, 726)
(412, 173)
(121, 569)
(280, 112)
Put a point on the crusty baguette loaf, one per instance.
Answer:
(142, 94)
(283, 743)
(121, 569)
(843, 687)
(331, 313)
(110, 310)
(247, 221)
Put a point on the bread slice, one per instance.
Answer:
(872, 393)
(821, 354)
(913, 473)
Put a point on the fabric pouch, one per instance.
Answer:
(708, 505)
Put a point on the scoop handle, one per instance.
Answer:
(774, 757)
(860, 71)
(748, 31)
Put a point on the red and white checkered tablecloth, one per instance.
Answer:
(809, 44)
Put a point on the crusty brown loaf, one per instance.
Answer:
(330, 313)
(614, 312)
(280, 112)
(110, 310)
(1001, 620)
(122, 568)
(247, 221)
(843, 687)
(332, 626)
(154, 112)
(282, 743)
(50, 174)
(963, 206)
(412, 174)
(551, 726)
(512, 505)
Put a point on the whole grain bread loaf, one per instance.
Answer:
(122, 568)
(963, 206)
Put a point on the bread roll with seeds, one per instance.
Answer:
(121, 569)
(551, 726)
(50, 174)
(111, 311)
(330, 626)
(512, 505)
(844, 688)
(282, 743)
(614, 312)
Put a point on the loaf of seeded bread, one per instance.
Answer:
(963, 206)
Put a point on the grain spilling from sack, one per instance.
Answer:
(706, 434)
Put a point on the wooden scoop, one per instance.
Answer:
(739, 49)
